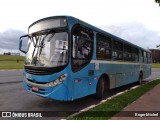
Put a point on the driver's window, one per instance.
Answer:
(82, 47)
(85, 49)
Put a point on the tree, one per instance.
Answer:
(157, 1)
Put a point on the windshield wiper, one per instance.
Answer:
(40, 43)
(35, 44)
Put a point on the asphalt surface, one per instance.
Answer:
(14, 98)
(11, 76)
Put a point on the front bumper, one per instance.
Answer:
(59, 92)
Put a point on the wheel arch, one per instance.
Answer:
(141, 73)
(106, 80)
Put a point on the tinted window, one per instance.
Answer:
(127, 48)
(127, 53)
(117, 53)
(117, 46)
(140, 55)
(145, 57)
(134, 54)
(82, 47)
(103, 47)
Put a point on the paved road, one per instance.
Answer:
(11, 76)
(155, 74)
(14, 98)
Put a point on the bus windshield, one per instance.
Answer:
(49, 49)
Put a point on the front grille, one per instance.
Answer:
(35, 71)
(43, 70)
(36, 82)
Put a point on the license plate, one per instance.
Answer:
(34, 88)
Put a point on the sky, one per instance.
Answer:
(136, 21)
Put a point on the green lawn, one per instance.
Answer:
(11, 62)
(111, 107)
(11, 65)
(11, 58)
(156, 65)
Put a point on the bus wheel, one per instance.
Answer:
(140, 78)
(100, 88)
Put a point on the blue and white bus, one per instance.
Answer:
(67, 59)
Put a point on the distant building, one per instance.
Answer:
(16, 54)
(9, 53)
(155, 55)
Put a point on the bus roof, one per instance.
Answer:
(96, 29)
(110, 35)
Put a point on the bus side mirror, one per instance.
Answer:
(23, 44)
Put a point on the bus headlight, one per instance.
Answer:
(58, 81)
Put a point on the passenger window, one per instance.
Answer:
(82, 47)
(85, 48)
(134, 54)
(145, 57)
(127, 53)
(117, 53)
(149, 58)
(103, 47)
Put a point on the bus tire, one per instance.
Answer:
(100, 88)
(140, 78)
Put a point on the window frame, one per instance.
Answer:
(76, 60)
(116, 51)
(134, 52)
(103, 38)
(127, 51)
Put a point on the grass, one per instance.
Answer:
(11, 62)
(156, 65)
(11, 58)
(6, 65)
(111, 107)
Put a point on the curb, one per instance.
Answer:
(102, 101)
